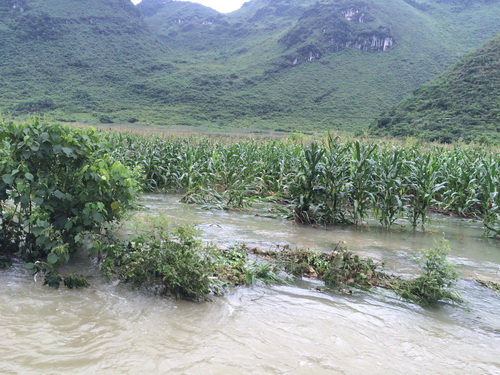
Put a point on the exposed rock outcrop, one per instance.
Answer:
(329, 27)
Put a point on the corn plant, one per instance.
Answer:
(324, 182)
(490, 197)
(337, 179)
(423, 182)
(390, 187)
(307, 186)
(361, 185)
(462, 182)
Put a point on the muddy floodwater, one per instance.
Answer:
(292, 329)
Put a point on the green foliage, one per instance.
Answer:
(424, 187)
(5, 261)
(490, 284)
(169, 259)
(489, 196)
(348, 268)
(361, 168)
(307, 184)
(339, 88)
(57, 184)
(266, 273)
(98, 61)
(326, 182)
(462, 103)
(172, 260)
(73, 58)
(340, 267)
(438, 276)
(390, 194)
(74, 281)
(234, 267)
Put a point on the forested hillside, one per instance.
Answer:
(74, 59)
(285, 65)
(463, 102)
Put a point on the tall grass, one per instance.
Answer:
(323, 182)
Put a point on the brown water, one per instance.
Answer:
(110, 329)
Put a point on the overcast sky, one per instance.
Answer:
(223, 6)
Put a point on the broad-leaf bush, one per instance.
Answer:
(57, 184)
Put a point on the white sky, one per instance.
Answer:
(223, 6)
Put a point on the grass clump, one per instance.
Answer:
(168, 259)
(171, 260)
(490, 285)
(340, 267)
(434, 284)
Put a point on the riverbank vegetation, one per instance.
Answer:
(58, 188)
(63, 189)
(325, 181)
(171, 259)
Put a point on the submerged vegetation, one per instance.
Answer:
(58, 189)
(339, 267)
(490, 284)
(62, 190)
(171, 259)
(324, 182)
(434, 284)
(342, 268)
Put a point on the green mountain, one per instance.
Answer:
(309, 65)
(303, 65)
(463, 102)
(74, 58)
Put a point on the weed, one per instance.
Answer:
(438, 276)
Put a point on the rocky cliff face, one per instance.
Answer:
(182, 23)
(353, 14)
(324, 28)
(368, 43)
(18, 5)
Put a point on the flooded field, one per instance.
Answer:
(293, 329)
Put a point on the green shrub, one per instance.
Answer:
(167, 259)
(57, 184)
(438, 276)
(340, 267)
(171, 260)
